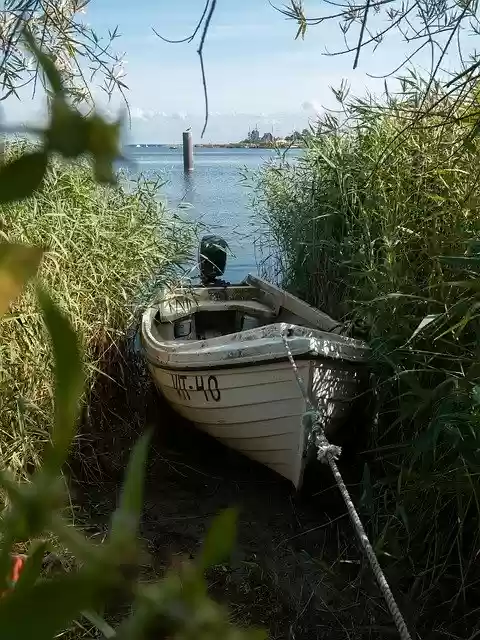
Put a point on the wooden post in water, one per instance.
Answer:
(187, 151)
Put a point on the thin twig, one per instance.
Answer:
(202, 66)
(190, 37)
(362, 31)
(205, 19)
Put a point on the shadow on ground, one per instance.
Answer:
(296, 567)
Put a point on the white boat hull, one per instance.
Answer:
(258, 410)
(239, 385)
(254, 410)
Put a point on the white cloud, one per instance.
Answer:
(148, 114)
(225, 127)
(311, 106)
(143, 114)
(179, 115)
(138, 114)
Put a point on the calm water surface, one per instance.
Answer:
(214, 193)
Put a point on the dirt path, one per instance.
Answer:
(296, 568)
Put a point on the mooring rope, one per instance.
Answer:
(328, 454)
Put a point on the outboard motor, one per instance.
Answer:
(212, 260)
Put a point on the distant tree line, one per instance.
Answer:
(296, 136)
(254, 137)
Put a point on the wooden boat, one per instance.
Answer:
(217, 353)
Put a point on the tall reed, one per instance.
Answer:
(104, 248)
(377, 223)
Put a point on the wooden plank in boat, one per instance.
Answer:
(312, 317)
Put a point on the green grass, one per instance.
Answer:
(359, 226)
(104, 250)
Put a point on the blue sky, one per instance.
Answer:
(257, 72)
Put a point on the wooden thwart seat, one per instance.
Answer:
(174, 310)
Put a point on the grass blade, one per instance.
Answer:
(69, 376)
(220, 539)
(126, 518)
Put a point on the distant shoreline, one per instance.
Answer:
(241, 145)
(224, 145)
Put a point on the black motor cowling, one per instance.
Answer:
(212, 258)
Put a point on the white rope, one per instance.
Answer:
(329, 453)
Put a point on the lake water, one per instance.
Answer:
(214, 193)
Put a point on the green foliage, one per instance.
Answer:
(46, 64)
(68, 374)
(178, 605)
(42, 608)
(220, 539)
(377, 223)
(69, 133)
(65, 37)
(125, 523)
(18, 263)
(22, 176)
(102, 248)
(33, 566)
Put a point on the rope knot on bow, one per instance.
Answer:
(312, 423)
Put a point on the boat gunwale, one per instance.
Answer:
(249, 364)
(247, 348)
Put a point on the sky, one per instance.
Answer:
(257, 73)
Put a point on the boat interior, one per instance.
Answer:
(200, 313)
(217, 308)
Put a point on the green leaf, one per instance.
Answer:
(18, 263)
(46, 63)
(473, 284)
(220, 539)
(104, 171)
(46, 609)
(100, 623)
(126, 518)
(474, 247)
(21, 177)
(423, 324)
(403, 515)
(33, 566)
(302, 30)
(103, 143)
(470, 263)
(469, 145)
(476, 395)
(7, 543)
(69, 376)
(68, 131)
